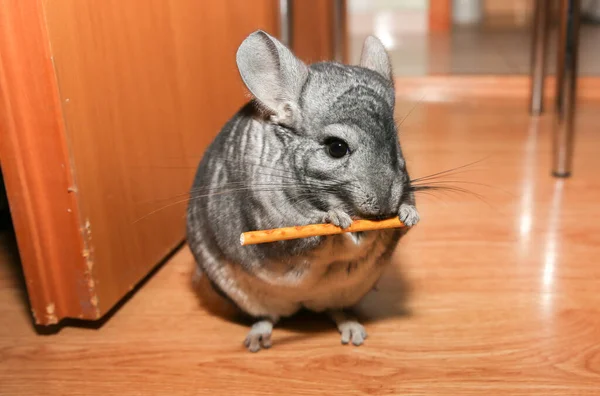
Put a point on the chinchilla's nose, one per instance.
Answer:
(383, 189)
(388, 198)
(395, 195)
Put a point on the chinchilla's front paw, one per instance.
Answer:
(409, 215)
(338, 218)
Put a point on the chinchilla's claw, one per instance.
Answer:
(338, 218)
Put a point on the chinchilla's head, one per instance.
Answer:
(340, 120)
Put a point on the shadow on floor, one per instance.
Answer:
(9, 259)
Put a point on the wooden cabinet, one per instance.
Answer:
(106, 107)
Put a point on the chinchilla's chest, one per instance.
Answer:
(345, 256)
(335, 275)
(345, 270)
(340, 262)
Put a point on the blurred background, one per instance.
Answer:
(466, 37)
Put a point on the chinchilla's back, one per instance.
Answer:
(220, 197)
(243, 183)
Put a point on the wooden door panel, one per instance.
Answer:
(138, 91)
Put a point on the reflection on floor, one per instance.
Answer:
(466, 50)
(502, 291)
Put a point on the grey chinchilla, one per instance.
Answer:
(317, 143)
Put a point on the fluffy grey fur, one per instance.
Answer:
(271, 167)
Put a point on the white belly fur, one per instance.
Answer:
(317, 282)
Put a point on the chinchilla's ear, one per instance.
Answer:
(272, 74)
(375, 57)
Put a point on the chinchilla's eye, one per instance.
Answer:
(337, 148)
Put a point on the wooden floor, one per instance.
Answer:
(495, 296)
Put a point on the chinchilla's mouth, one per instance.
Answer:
(384, 217)
(373, 217)
(375, 212)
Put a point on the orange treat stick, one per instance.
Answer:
(287, 233)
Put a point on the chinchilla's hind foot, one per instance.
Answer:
(259, 336)
(351, 331)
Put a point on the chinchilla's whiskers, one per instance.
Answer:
(274, 182)
(277, 173)
(284, 171)
(253, 188)
(451, 181)
(303, 198)
(269, 188)
(246, 163)
(309, 181)
(444, 188)
(441, 194)
(454, 189)
(442, 176)
(439, 182)
(410, 111)
(289, 176)
(194, 198)
(288, 181)
(285, 179)
(298, 198)
(446, 172)
(429, 194)
(443, 183)
(215, 188)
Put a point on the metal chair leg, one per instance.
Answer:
(539, 47)
(285, 22)
(566, 82)
(338, 30)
